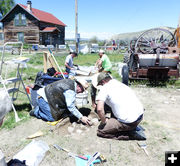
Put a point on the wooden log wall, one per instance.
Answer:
(31, 32)
(61, 40)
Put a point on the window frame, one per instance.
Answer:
(19, 37)
(20, 20)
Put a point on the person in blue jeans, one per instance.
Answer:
(58, 98)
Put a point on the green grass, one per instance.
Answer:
(9, 121)
(22, 107)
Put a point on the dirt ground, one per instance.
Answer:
(161, 123)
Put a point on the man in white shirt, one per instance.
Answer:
(127, 110)
(69, 64)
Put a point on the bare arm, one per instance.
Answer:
(100, 111)
(99, 64)
(93, 96)
(66, 64)
(70, 102)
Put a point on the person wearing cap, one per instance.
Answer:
(103, 63)
(57, 100)
(126, 109)
(69, 64)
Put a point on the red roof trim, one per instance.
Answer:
(44, 16)
(49, 29)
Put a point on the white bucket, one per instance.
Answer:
(2, 159)
(82, 99)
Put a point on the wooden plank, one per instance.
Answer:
(52, 62)
(45, 61)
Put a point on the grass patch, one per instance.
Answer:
(36, 59)
(9, 121)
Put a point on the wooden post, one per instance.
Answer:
(56, 48)
(51, 61)
(76, 24)
(45, 62)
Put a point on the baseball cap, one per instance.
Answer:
(101, 51)
(75, 53)
(83, 83)
(102, 76)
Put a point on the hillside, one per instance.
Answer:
(134, 35)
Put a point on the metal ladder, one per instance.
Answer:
(15, 81)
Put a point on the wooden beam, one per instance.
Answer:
(45, 61)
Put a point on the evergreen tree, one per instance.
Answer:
(5, 6)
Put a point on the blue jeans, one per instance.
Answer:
(70, 72)
(43, 111)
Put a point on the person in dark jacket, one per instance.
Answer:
(58, 98)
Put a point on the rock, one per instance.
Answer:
(83, 127)
(173, 99)
(74, 124)
(95, 121)
(70, 129)
(78, 131)
(166, 102)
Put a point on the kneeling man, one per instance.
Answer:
(58, 99)
(127, 110)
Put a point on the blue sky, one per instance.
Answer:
(103, 18)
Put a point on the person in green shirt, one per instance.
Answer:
(103, 63)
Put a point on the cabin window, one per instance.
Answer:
(1, 36)
(21, 36)
(20, 19)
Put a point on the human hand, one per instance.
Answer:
(86, 120)
(94, 105)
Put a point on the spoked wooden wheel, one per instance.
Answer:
(154, 39)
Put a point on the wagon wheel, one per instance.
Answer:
(151, 40)
(132, 44)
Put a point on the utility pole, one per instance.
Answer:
(76, 25)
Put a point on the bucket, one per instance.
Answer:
(82, 99)
(2, 159)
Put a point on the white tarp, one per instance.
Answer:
(83, 48)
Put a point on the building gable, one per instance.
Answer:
(37, 14)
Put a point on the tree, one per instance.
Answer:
(94, 39)
(5, 6)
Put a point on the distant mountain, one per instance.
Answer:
(133, 35)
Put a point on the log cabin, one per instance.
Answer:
(32, 26)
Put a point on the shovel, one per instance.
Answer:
(70, 153)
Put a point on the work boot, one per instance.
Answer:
(31, 113)
(137, 135)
